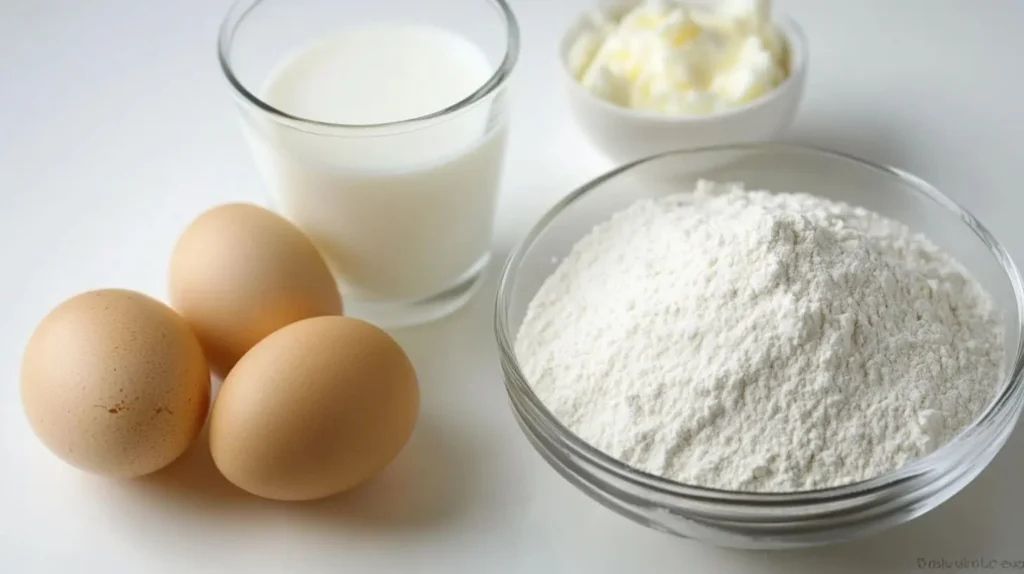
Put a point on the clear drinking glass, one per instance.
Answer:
(402, 211)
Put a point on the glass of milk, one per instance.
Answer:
(380, 128)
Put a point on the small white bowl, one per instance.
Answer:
(624, 134)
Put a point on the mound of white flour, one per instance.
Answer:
(761, 341)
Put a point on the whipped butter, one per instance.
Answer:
(681, 59)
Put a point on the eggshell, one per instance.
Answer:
(239, 273)
(314, 409)
(115, 383)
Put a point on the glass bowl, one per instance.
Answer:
(765, 520)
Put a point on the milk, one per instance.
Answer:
(401, 212)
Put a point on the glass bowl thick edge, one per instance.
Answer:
(925, 469)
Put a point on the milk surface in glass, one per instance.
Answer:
(402, 212)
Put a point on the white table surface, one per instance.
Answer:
(116, 129)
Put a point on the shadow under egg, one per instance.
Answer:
(428, 485)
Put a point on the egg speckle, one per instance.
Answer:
(96, 371)
(239, 273)
(314, 409)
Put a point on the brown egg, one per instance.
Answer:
(239, 273)
(115, 383)
(314, 409)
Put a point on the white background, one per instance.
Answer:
(116, 129)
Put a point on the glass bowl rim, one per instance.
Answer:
(240, 9)
(1012, 384)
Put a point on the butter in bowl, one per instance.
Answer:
(653, 76)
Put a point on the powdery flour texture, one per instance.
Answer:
(760, 341)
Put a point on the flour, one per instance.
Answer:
(754, 341)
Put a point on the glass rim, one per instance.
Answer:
(1010, 388)
(240, 10)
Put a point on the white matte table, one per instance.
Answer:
(116, 129)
